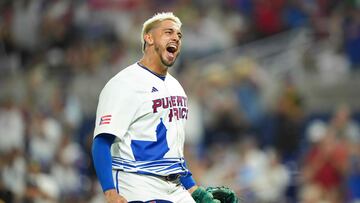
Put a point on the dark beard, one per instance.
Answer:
(165, 63)
(157, 49)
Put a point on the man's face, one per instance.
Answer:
(167, 41)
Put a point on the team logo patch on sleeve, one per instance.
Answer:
(105, 120)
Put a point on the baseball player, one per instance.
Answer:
(139, 131)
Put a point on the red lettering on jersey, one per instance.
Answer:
(170, 115)
(176, 113)
(165, 106)
(183, 112)
(173, 101)
(179, 100)
(156, 104)
(176, 104)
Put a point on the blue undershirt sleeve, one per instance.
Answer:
(102, 160)
(187, 181)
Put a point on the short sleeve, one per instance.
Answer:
(116, 109)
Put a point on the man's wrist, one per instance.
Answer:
(192, 189)
(110, 192)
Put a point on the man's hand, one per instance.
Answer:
(224, 194)
(112, 196)
(200, 195)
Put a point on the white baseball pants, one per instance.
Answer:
(150, 189)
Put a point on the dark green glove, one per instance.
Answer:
(224, 194)
(201, 196)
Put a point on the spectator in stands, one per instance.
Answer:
(12, 120)
(351, 30)
(344, 127)
(353, 175)
(270, 186)
(267, 17)
(247, 87)
(347, 130)
(223, 123)
(288, 122)
(324, 169)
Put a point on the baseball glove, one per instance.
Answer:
(200, 195)
(224, 194)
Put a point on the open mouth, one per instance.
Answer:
(171, 48)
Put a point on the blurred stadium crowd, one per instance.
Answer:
(56, 55)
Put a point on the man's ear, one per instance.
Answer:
(148, 39)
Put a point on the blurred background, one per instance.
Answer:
(273, 91)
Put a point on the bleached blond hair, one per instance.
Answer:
(153, 21)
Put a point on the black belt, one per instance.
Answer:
(171, 177)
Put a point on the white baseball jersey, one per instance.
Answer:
(147, 114)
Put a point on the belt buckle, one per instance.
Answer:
(172, 177)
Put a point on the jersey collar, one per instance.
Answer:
(146, 68)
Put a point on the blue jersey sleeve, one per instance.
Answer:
(102, 160)
(187, 181)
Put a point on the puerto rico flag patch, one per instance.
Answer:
(105, 120)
